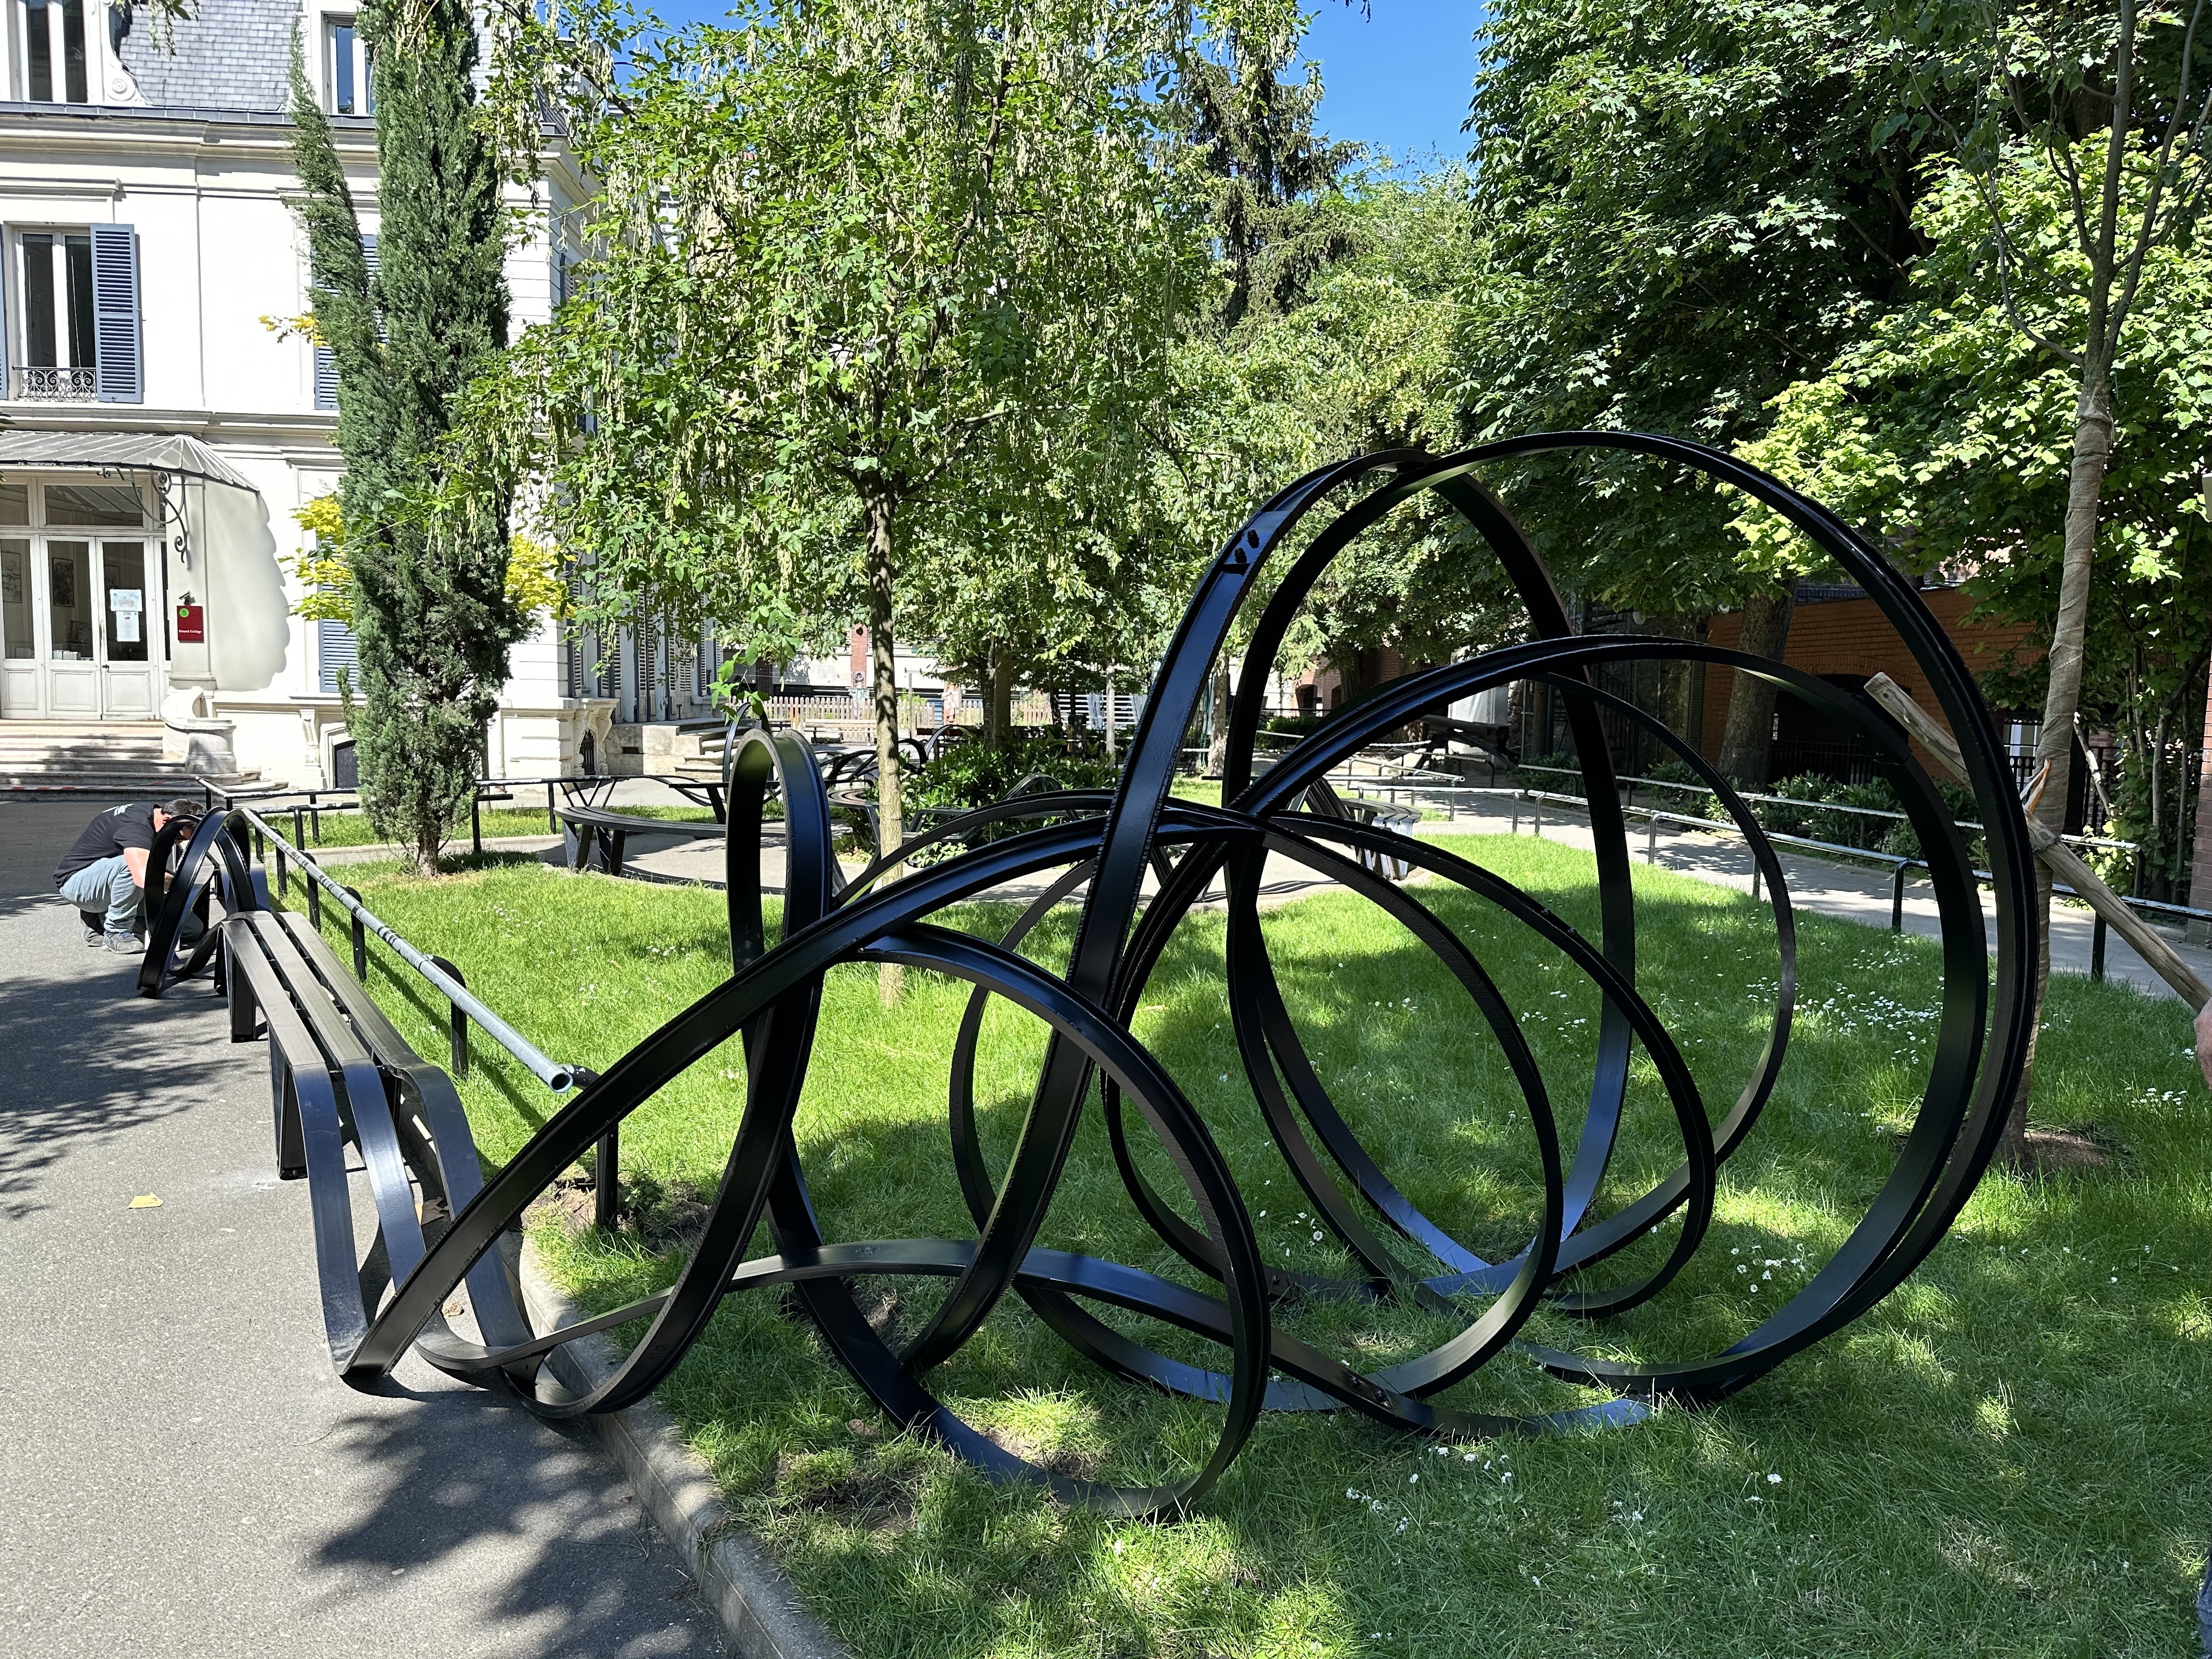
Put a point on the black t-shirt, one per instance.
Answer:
(106, 836)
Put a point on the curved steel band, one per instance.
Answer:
(1103, 843)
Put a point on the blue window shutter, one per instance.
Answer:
(334, 649)
(121, 372)
(326, 362)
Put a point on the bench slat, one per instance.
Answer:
(453, 1148)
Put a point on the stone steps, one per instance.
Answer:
(92, 756)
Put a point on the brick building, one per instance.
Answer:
(1843, 637)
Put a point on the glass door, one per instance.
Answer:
(128, 617)
(81, 615)
(72, 630)
(18, 644)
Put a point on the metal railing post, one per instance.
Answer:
(458, 1034)
(1652, 838)
(606, 1180)
(552, 818)
(1536, 812)
(2097, 950)
(360, 941)
(476, 824)
(283, 888)
(1897, 898)
(299, 826)
(1754, 876)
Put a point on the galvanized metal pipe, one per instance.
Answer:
(551, 1073)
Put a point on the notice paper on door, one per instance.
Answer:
(126, 602)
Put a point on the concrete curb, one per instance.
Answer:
(759, 1612)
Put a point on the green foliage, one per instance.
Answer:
(1948, 433)
(430, 610)
(1272, 177)
(1689, 204)
(918, 255)
(534, 581)
(971, 774)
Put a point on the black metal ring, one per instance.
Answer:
(1105, 843)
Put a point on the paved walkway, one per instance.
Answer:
(184, 1476)
(1818, 886)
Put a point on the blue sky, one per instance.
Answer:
(1397, 76)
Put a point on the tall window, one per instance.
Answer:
(57, 288)
(345, 62)
(53, 52)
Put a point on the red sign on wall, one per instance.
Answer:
(191, 624)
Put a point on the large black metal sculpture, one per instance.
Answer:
(1103, 843)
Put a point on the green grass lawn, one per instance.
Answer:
(352, 829)
(2006, 1456)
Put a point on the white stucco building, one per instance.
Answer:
(157, 437)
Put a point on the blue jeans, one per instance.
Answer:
(106, 884)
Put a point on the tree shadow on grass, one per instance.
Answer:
(2000, 1455)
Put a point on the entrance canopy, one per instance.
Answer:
(158, 451)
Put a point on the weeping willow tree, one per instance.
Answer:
(432, 615)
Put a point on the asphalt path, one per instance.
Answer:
(183, 1474)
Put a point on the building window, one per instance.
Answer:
(345, 65)
(335, 654)
(326, 362)
(53, 52)
(60, 359)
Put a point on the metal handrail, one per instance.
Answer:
(1812, 805)
(1899, 864)
(554, 1074)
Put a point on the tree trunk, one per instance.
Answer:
(891, 830)
(1747, 746)
(2085, 483)
(1675, 680)
(1216, 746)
(1002, 696)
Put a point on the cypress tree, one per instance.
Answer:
(431, 616)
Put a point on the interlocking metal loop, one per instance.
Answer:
(1102, 844)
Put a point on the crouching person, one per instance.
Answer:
(105, 874)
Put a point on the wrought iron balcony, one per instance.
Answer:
(37, 385)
